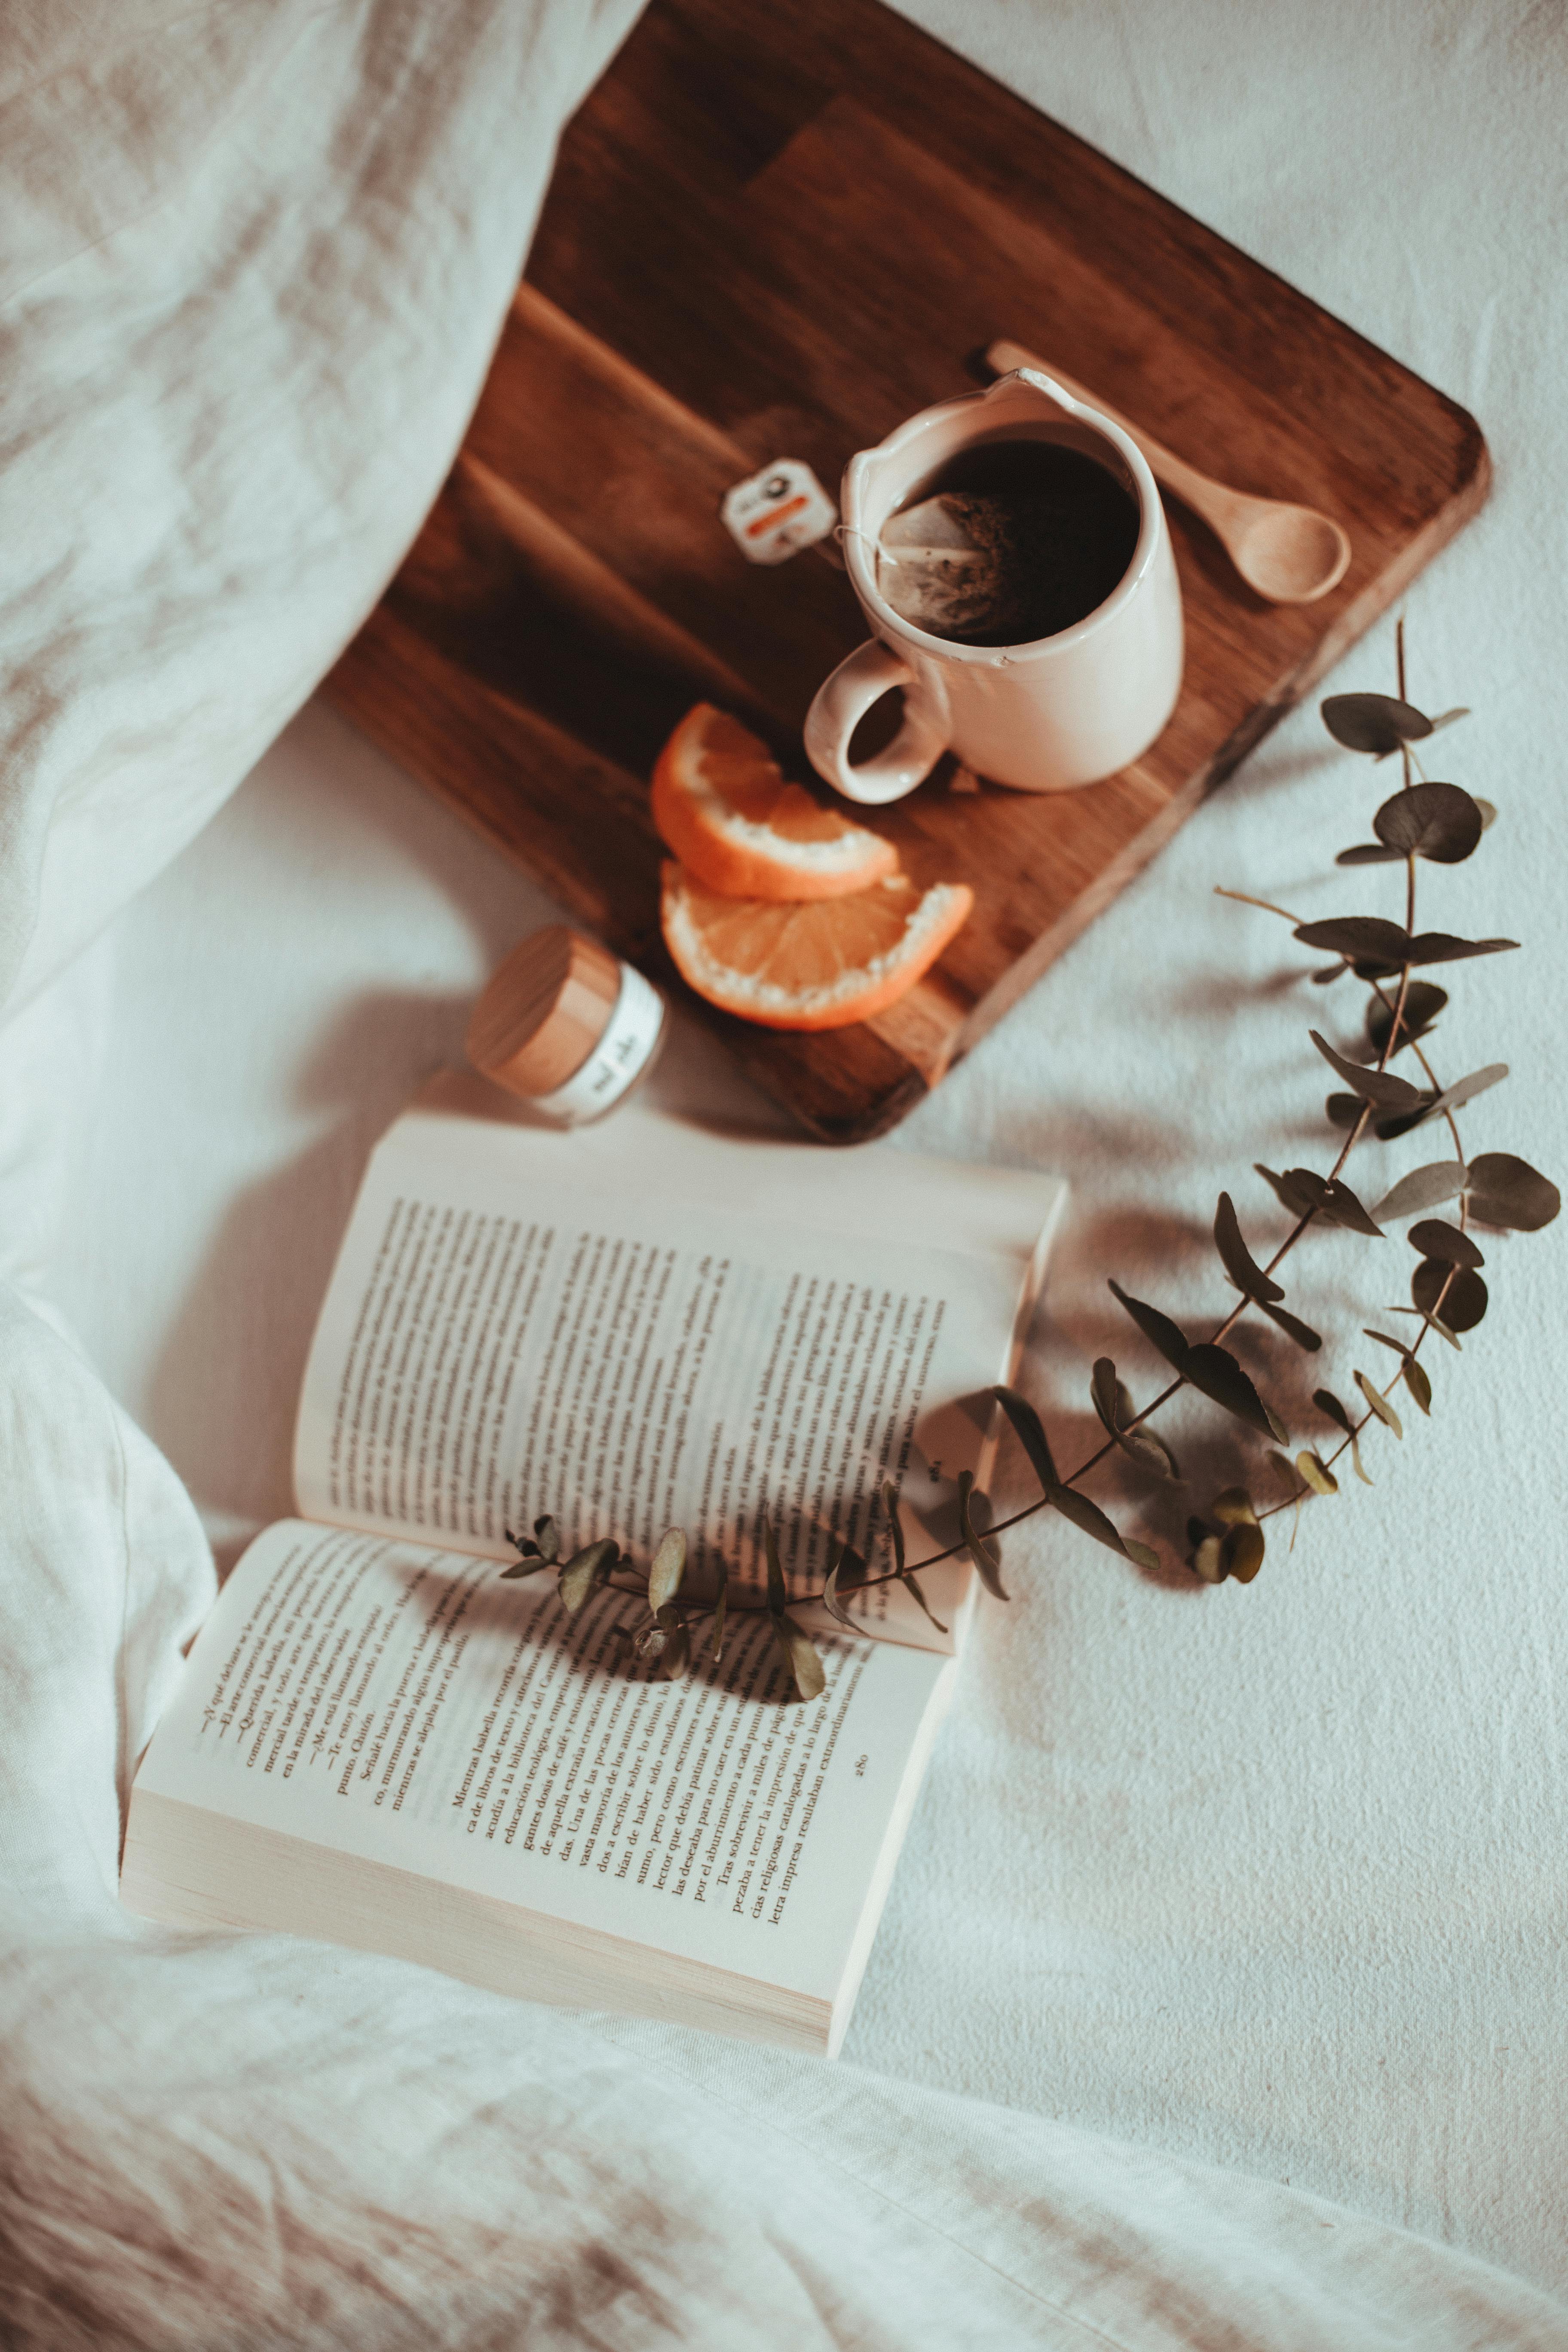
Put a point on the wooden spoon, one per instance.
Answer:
(1289, 554)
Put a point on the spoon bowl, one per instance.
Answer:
(1292, 555)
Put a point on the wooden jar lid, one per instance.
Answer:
(544, 1011)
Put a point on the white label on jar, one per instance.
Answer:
(629, 1037)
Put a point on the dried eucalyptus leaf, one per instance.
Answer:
(1150, 1452)
(585, 1569)
(1103, 1386)
(547, 1535)
(1387, 1126)
(1281, 1463)
(798, 1652)
(1329, 1405)
(1383, 1340)
(1215, 1371)
(1233, 1508)
(1207, 1560)
(1433, 1323)
(1241, 1552)
(1294, 1329)
(1423, 1188)
(1507, 1191)
(853, 1568)
(1316, 1474)
(1344, 1111)
(1488, 814)
(1461, 1290)
(1369, 937)
(1368, 852)
(1173, 1467)
(1424, 1000)
(1447, 718)
(1442, 947)
(1381, 946)
(1380, 1404)
(1306, 1194)
(1416, 1381)
(1435, 1239)
(1464, 1090)
(911, 1585)
(669, 1568)
(1329, 972)
(830, 1600)
(650, 1641)
(1377, 1086)
(1031, 1435)
(1439, 822)
(1237, 1259)
(1168, 1336)
(895, 1525)
(1343, 1207)
(1378, 723)
(522, 1566)
(1433, 1106)
(1290, 1194)
(1114, 1405)
(1090, 1521)
(989, 1575)
(675, 1655)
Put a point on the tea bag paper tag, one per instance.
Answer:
(775, 513)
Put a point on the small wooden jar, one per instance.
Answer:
(567, 1026)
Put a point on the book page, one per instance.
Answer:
(398, 1704)
(650, 1329)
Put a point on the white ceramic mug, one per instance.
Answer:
(1062, 711)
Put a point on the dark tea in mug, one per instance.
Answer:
(1012, 541)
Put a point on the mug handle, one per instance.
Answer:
(841, 702)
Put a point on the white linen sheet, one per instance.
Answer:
(1269, 1879)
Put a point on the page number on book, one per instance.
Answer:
(860, 1768)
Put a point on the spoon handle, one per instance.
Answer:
(1214, 500)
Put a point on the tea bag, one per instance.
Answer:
(966, 564)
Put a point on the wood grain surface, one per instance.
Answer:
(777, 234)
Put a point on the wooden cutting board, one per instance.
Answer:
(776, 234)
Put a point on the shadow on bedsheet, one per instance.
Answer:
(1170, 1260)
(226, 1382)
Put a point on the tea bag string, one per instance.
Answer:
(852, 531)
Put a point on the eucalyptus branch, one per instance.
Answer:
(1423, 823)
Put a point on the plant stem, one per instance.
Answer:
(1245, 899)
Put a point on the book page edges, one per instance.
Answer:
(892, 1846)
(186, 1866)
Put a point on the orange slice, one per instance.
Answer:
(813, 965)
(722, 806)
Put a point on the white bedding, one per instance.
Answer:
(1269, 1879)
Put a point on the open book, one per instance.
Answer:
(379, 1741)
